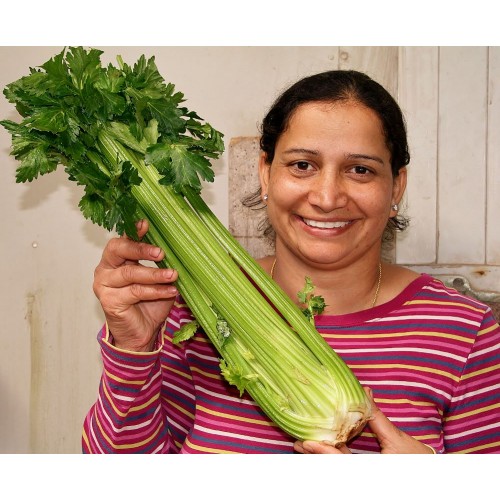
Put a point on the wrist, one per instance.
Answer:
(153, 345)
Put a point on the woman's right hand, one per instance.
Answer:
(135, 298)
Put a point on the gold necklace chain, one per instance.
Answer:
(378, 282)
(272, 268)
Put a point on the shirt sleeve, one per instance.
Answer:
(127, 416)
(472, 422)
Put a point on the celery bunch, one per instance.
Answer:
(123, 133)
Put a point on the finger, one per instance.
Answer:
(297, 446)
(391, 438)
(318, 447)
(130, 274)
(121, 250)
(141, 226)
(378, 419)
(344, 449)
(116, 300)
(385, 430)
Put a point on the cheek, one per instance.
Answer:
(284, 192)
(283, 201)
(375, 201)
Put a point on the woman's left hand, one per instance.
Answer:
(391, 439)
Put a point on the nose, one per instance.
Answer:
(328, 192)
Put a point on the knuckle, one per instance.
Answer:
(136, 290)
(113, 244)
(127, 273)
(96, 283)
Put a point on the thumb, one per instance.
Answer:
(390, 438)
(386, 432)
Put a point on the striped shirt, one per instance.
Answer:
(431, 357)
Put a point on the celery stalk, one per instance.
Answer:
(122, 133)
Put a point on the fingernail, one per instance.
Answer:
(155, 252)
(138, 224)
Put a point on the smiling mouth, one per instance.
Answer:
(326, 225)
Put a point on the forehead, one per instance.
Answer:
(336, 121)
(344, 110)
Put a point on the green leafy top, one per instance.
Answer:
(68, 102)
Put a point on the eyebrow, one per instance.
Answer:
(349, 156)
(359, 156)
(301, 150)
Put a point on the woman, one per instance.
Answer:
(332, 174)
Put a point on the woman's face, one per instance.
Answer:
(330, 184)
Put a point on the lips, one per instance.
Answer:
(326, 224)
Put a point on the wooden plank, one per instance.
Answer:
(493, 160)
(462, 155)
(381, 63)
(418, 97)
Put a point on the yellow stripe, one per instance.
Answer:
(86, 439)
(124, 381)
(207, 450)
(404, 401)
(209, 375)
(487, 330)
(235, 417)
(446, 303)
(132, 408)
(481, 372)
(479, 448)
(128, 446)
(473, 412)
(187, 376)
(180, 408)
(203, 340)
(401, 334)
(412, 367)
(418, 438)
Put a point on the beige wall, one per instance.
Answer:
(49, 360)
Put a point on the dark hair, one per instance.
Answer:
(333, 86)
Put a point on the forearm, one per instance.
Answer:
(127, 417)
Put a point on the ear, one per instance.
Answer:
(264, 172)
(399, 185)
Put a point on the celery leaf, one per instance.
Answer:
(185, 332)
(235, 376)
(314, 304)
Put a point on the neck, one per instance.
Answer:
(375, 289)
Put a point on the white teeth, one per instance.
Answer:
(325, 225)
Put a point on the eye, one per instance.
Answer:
(361, 170)
(302, 166)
